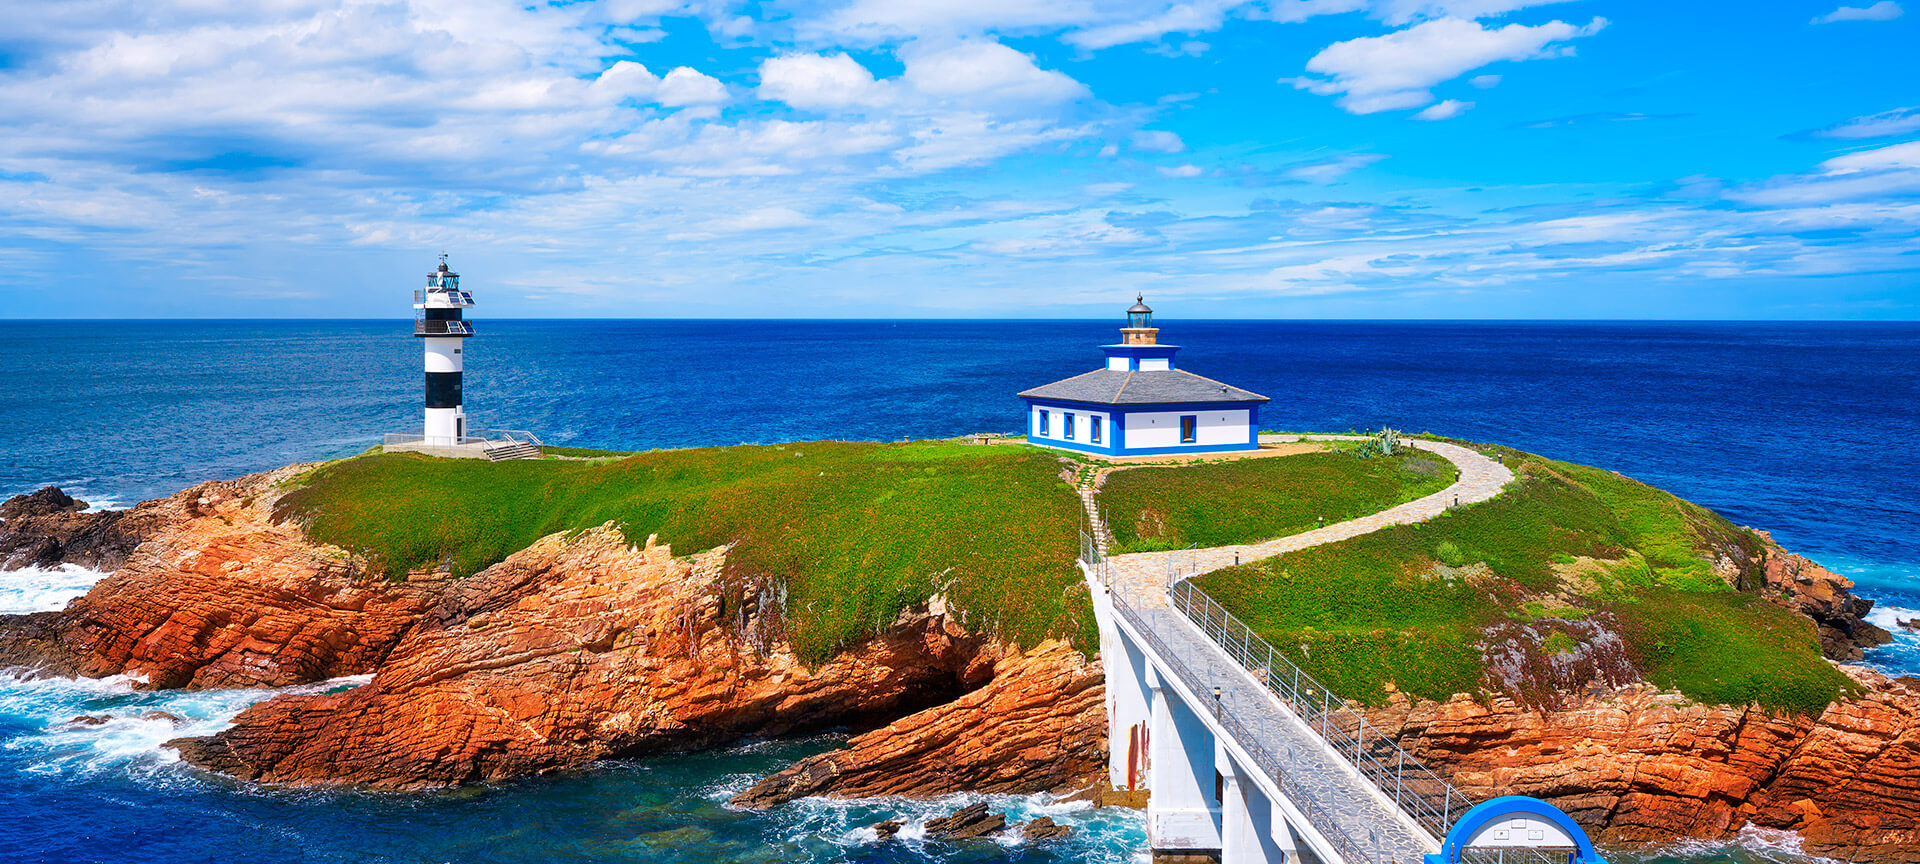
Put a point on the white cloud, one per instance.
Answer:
(1899, 121)
(1444, 110)
(976, 73)
(1484, 82)
(1897, 156)
(1395, 71)
(687, 86)
(1194, 16)
(1324, 171)
(1398, 12)
(1861, 175)
(1157, 141)
(817, 82)
(1885, 10)
(870, 22)
(1182, 171)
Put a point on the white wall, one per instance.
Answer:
(1117, 364)
(1082, 425)
(443, 424)
(443, 355)
(1216, 427)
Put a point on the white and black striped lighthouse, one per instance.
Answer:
(437, 321)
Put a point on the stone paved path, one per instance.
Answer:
(1145, 576)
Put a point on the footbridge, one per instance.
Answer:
(1249, 760)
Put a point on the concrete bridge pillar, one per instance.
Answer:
(1183, 812)
(1247, 826)
(1129, 717)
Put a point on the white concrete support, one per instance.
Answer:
(1182, 813)
(1129, 715)
(1247, 826)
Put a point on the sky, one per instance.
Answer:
(962, 158)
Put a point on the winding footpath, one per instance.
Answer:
(1145, 577)
(1341, 803)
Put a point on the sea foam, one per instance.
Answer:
(85, 727)
(37, 589)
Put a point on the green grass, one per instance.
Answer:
(582, 452)
(1731, 649)
(1245, 500)
(1406, 605)
(855, 531)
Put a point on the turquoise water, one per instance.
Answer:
(1802, 429)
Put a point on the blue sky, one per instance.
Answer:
(962, 158)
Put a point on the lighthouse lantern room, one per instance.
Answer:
(438, 321)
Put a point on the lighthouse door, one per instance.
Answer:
(459, 427)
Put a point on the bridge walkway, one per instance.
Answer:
(1361, 795)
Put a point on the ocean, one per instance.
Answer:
(1803, 429)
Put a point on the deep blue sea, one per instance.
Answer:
(1805, 429)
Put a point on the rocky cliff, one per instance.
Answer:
(1637, 765)
(578, 649)
(1039, 725)
(218, 595)
(48, 528)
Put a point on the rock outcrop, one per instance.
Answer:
(966, 823)
(48, 527)
(221, 596)
(1039, 725)
(1825, 597)
(578, 649)
(1641, 766)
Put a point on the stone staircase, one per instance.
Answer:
(512, 450)
(1096, 523)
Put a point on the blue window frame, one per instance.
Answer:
(1067, 425)
(1043, 424)
(1189, 429)
(1093, 429)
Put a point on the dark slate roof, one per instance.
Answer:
(1118, 387)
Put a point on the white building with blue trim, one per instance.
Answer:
(1142, 404)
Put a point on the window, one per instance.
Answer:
(1093, 429)
(1069, 425)
(1189, 429)
(1043, 424)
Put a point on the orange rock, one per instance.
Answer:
(1039, 725)
(573, 650)
(1643, 766)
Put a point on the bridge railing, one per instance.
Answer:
(1419, 792)
(1091, 556)
(1303, 794)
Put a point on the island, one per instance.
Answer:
(1641, 662)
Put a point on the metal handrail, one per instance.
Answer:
(1417, 790)
(494, 437)
(456, 297)
(442, 328)
(1269, 762)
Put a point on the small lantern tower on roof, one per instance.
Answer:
(1139, 329)
(439, 324)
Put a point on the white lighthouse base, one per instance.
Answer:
(445, 426)
(490, 444)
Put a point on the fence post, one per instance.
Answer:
(1399, 766)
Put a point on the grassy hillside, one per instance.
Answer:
(1571, 565)
(1241, 501)
(856, 531)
